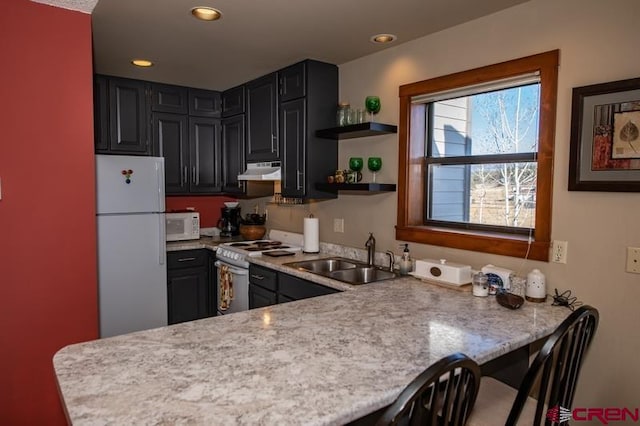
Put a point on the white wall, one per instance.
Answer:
(598, 42)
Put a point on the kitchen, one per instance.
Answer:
(586, 58)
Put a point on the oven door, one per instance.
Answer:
(233, 288)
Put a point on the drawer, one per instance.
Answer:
(264, 277)
(296, 288)
(187, 259)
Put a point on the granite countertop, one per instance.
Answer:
(321, 361)
(210, 243)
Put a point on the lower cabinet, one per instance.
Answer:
(268, 287)
(191, 289)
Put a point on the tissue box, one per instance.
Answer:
(441, 270)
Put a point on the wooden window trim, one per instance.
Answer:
(412, 164)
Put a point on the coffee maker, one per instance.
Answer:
(229, 222)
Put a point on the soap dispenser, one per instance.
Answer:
(406, 264)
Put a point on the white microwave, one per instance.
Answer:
(183, 226)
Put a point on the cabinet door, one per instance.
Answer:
(170, 140)
(188, 295)
(204, 148)
(260, 297)
(101, 113)
(166, 98)
(128, 121)
(262, 119)
(205, 103)
(233, 101)
(292, 135)
(296, 288)
(292, 82)
(233, 162)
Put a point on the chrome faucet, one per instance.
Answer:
(371, 249)
(391, 260)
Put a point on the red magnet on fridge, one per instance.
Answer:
(127, 174)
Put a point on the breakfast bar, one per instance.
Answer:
(319, 361)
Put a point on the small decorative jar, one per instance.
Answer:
(536, 290)
(343, 115)
(480, 285)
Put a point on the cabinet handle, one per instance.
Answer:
(186, 259)
(298, 174)
(257, 277)
(183, 181)
(273, 139)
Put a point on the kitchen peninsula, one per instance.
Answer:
(325, 360)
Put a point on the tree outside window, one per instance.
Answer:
(476, 153)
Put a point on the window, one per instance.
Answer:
(476, 151)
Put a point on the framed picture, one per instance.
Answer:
(605, 137)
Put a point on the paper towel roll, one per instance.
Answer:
(311, 235)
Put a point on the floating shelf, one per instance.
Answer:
(357, 188)
(357, 131)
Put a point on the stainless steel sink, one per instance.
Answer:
(346, 270)
(320, 266)
(362, 275)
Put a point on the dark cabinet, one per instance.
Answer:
(307, 158)
(191, 149)
(260, 297)
(292, 135)
(292, 82)
(294, 288)
(101, 113)
(185, 100)
(122, 118)
(262, 119)
(205, 103)
(263, 286)
(171, 136)
(233, 157)
(268, 287)
(204, 148)
(233, 101)
(167, 98)
(190, 290)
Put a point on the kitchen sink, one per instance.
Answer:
(320, 266)
(362, 275)
(345, 270)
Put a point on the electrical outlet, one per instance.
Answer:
(338, 225)
(633, 260)
(559, 251)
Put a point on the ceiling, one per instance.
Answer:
(254, 38)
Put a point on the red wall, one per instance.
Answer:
(48, 282)
(208, 207)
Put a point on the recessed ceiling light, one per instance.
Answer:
(383, 38)
(205, 13)
(144, 63)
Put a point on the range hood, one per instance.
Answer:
(261, 171)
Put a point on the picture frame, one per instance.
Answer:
(605, 137)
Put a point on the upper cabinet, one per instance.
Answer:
(205, 103)
(122, 116)
(262, 119)
(311, 89)
(233, 157)
(233, 101)
(166, 98)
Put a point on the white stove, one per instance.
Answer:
(233, 267)
(279, 243)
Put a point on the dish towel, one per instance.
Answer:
(226, 288)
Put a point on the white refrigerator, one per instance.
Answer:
(132, 272)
